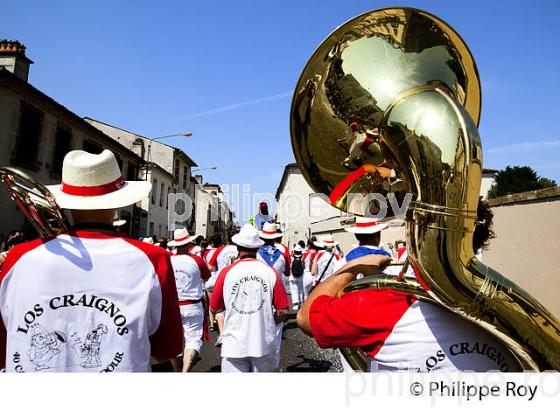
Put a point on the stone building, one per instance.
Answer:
(36, 132)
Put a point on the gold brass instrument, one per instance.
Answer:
(36, 202)
(389, 103)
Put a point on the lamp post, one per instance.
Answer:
(181, 134)
(204, 169)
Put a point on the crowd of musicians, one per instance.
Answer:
(91, 299)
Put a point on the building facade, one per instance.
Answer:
(302, 213)
(36, 132)
(167, 168)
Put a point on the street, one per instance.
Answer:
(300, 353)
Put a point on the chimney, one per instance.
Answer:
(198, 179)
(13, 59)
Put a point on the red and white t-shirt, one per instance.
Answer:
(322, 259)
(226, 256)
(249, 291)
(308, 258)
(190, 271)
(399, 332)
(196, 250)
(87, 301)
(287, 257)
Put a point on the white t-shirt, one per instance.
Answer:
(399, 332)
(226, 256)
(88, 301)
(190, 271)
(248, 290)
(323, 264)
(196, 250)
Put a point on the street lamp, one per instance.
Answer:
(204, 169)
(181, 134)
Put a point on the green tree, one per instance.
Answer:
(513, 180)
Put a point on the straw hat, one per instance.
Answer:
(325, 241)
(248, 237)
(270, 231)
(181, 237)
(94, 181)
(365, 225)
(148, 239)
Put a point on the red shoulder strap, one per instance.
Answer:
(214, 258)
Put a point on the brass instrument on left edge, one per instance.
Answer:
(36, 202)
(389, 103)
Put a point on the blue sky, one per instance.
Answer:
(225, 70)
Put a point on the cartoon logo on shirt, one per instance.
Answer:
(89, 349)
(47, 349)
(249, 295)
(183, 280)
(44, 346)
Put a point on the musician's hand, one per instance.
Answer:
(367, 265)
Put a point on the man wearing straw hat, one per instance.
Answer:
(89, 278)
(367, 231)
(190, 271)
(254, 300)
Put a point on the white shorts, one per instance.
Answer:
(249, 364)
(193, 322)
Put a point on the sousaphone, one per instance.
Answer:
(389, 103)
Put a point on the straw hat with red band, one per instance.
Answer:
(181, 237)
(365, 225)
(325, 241)
(270, 231)
(94, 181)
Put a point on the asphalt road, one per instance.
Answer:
(299, 353)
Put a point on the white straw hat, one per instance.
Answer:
(325, 241)
(181, 237)
(269, 231)
(248, 237)
(94, 181)
(148, 240)
(365, 225)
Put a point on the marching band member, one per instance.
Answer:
(262, 216)
(296, 278)
(223, 256)
(272, 255)
(368, 234)
(325, 259)
(395, 329)
(254, 300)
(89, 299)
(308, 257)
(190, 271)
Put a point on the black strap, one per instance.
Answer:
(324, 271)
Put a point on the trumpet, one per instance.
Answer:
(36, 202)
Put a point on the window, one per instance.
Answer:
(131, 172)
(92, 147)
(154, 191)
(151, 233)
(62, 145)
(161, 193)
(176, 170)
(29, 134)
(167, 199)
(185, 178)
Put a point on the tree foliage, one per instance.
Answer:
(513, 180)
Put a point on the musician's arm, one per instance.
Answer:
(367, 265)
